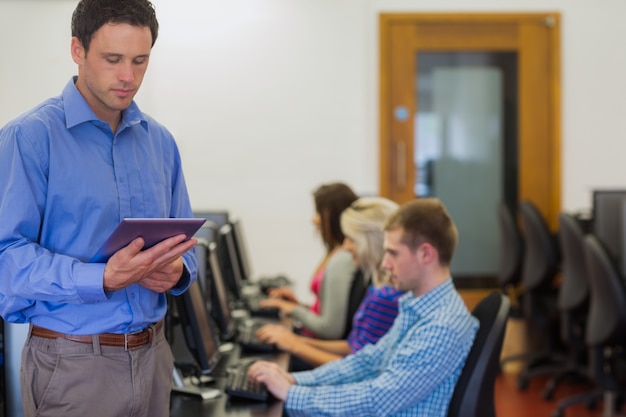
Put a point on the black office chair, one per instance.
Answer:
(606, 324)
(573, 302)
(358, 288)
(540, 266)
(512, 254)
(473, 395)
(574, 295)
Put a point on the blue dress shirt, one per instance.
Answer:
(411, 371)
(66, 181)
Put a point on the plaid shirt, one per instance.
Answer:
(411, 371)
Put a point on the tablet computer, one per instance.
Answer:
(152, 230)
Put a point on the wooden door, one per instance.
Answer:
(535, 40)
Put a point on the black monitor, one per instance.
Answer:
(217, 297)
(609, 223)
(206, 235)
(242, 252)
(227, 252)
(218, 217)
(207, 232)
(201, 340)
(199, 333)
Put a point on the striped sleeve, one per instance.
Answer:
(374, 316)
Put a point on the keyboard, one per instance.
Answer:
(255, 310)
(248, 341)
(238, 385)
(267, 283)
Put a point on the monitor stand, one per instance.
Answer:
(186, 386)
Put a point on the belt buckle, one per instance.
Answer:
(126, 335)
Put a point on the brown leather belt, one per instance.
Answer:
(127, 341)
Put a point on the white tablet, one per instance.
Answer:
(152, 230)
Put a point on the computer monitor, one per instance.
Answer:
(201, 340)
(609, 223)
(229, 261)
(207, 232)
(206, 235)
(202, 259)
(242, 251)
(217, 297)
(218, 217)
(199, 333)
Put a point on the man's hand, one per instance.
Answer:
(158, 268)
(276, 379)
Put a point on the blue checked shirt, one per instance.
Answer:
(411, 371)
(66, 181)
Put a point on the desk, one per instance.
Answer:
(183, 405)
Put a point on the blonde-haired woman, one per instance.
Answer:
(362, 224)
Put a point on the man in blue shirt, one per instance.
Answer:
(413, 369)
(70, 170)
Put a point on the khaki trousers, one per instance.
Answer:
(70, 379)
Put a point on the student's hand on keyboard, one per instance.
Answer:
(282, 292)
(278, 335)
(286, 307)
(276, 379)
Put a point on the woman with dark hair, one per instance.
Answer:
(327, 317)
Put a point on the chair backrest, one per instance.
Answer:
(541, 256)
(512, 247)
(358, 288)
(606, 324)
(474, 392)
(574, 288)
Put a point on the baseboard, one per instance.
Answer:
(476, 282)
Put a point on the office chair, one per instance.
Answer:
(606, 323)
(573, 300)
(540, 267)
(512, 245)
(473, 394)
(573, 303)
(358, 288)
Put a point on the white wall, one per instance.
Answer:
(269, 98)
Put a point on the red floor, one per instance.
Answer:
(510, 402)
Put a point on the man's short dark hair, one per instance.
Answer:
(91, 15)
(426, 220)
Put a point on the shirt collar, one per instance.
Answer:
(426, 303)
(77, 111)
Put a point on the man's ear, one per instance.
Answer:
(77, 51)
(428, 253)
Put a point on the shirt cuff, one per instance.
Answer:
(304, 378)
(183, 283)
(89, 282)
(299, 312)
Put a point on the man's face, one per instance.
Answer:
(111, 72)
(403, 264)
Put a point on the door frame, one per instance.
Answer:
(539, 144)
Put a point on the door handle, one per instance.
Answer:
(401, 164)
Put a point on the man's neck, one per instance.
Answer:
(432, 280)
